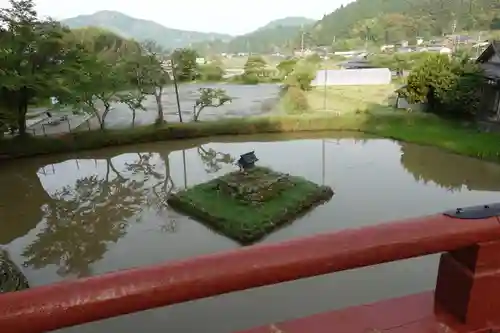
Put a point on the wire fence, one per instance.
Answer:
(54, 126)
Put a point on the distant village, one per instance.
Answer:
(445, 45)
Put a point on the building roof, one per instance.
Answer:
(490, 70)
(492, 49)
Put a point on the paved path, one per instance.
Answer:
(50, 127)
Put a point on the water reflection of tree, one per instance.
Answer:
(213, 160)
(21, 197)
(83, 219)
(450, 171)
(163, 183)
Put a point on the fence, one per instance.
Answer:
(60, 125)
(467, 286)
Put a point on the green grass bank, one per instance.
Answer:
(461, 138)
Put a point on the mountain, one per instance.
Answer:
(139, 29)
(275, 36)
(393, 20)
(291, 21)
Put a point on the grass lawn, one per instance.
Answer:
(249, 220)
(349, 99)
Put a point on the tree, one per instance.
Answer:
(149, 75)
(214, 160)
(134, 99)
(211, 72)
(185, 63)
(302, 76)
(255, 67)
(209, 97)
(286, 67)
(447, 85)
(33, 59)
(99, 80)
(75, 236)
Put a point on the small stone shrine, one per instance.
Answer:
(247, 161)
(254, 186)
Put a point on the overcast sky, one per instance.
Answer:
(226, 16)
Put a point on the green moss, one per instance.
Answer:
(247, 220)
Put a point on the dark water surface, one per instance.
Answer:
(69, 216)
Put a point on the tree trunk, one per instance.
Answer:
(22, 109)
(107, 108)
(196, 114)
(160, 118)
(133, 117)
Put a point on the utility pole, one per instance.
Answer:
(174, 76)
(302, 43)
(366, 38)
(455, 38)
(325, 86)
(477, 44)
(323, 161)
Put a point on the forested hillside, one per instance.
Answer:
(273, 37)
(392, 20)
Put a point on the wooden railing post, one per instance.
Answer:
(468, 283)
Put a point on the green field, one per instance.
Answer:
(349, 99)
(239, 62)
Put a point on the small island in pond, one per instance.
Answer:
(247, 205)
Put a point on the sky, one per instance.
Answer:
(225, 16)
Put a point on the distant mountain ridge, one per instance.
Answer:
(291, 21)
(140, 29)
(272, 37)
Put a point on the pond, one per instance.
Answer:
(69, 216)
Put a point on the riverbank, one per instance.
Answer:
(418, 128)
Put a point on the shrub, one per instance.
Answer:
(295, 100)
(450, 86)
(255, 65)
(286, 67)
(302, 76)
(211, 72)
(250, 79)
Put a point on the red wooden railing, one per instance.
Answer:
(468, 284)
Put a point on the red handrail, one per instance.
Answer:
(70, 303)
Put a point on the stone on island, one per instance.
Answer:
(246, 206)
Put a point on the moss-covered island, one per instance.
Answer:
(246, 206)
